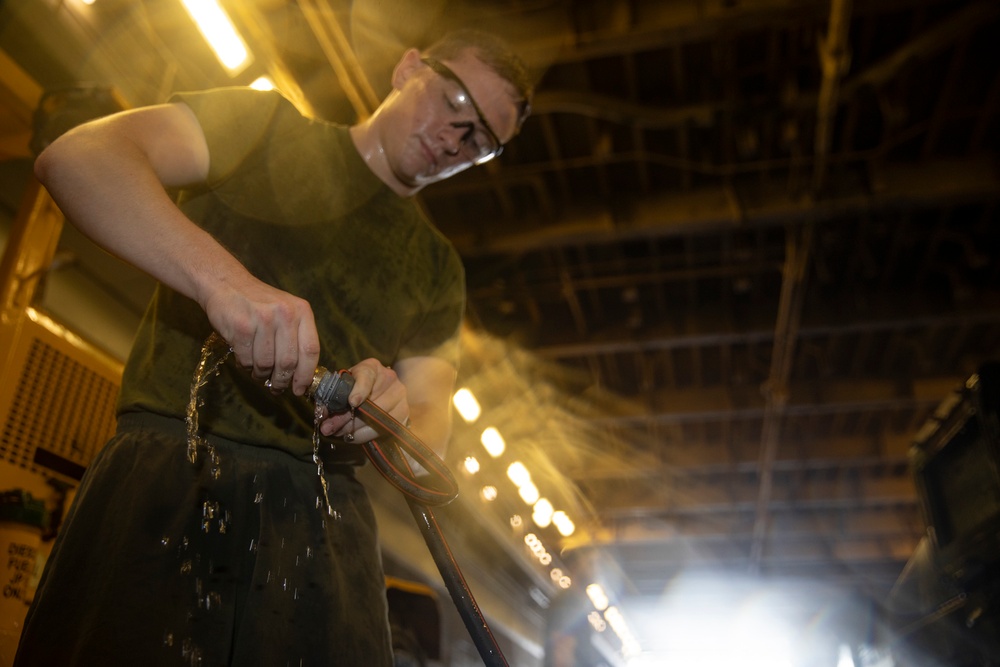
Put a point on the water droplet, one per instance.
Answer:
(165, 541)
(284, 584)
(213, 354)
(191, 653)
(259, 497)
(253, 545)
(186, 567)
(309, 552)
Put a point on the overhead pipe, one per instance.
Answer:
(786, 332)
(835, 59)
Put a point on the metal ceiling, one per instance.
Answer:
(738, 254)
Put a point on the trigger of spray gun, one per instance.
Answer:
(331, 389)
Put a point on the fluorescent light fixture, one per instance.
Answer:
(493, 442)
(845, 658)
(563, 523)
(597, 621)
(528, 492)
(542, 515)
(630, 647)
(219, 32)
(597, 595)
(262, 83)
(518, 474)
(467, 405)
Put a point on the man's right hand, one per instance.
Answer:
(272, 333)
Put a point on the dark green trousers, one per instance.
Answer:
(234, 561)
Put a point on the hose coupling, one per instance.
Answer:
(331, 389)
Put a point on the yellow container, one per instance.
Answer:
(22, 520)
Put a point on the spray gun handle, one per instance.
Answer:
(331, 389)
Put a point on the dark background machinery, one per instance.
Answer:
(945, 608)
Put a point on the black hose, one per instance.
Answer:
(436, 487)
(472, 617)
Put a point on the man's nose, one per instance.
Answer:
(452, 138)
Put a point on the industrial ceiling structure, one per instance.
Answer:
(738, 254)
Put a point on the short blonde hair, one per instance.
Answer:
(496, 54)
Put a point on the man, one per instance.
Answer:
(305, 251)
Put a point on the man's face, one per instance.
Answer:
(446, 117)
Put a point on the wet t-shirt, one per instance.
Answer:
(292, 199)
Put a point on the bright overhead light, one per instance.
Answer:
(518, 474)
(755, 635)
(598, 597)
(262, 83)
(845, 659)
(467, 405)
(471, 464)
(542, 515)
(488, 493)
(563, 523)
(219, 32)
(493, 442)
(528, 492)
(617, 622)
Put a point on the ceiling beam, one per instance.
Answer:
(622, 343)
(933, 183)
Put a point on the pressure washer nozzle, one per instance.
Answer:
(331, 389)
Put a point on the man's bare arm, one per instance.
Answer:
(109, 178)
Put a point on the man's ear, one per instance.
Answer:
(405, 68)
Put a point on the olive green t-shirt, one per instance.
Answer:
(292, 199)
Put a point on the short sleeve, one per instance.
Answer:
(437, 333)
(235, 121)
